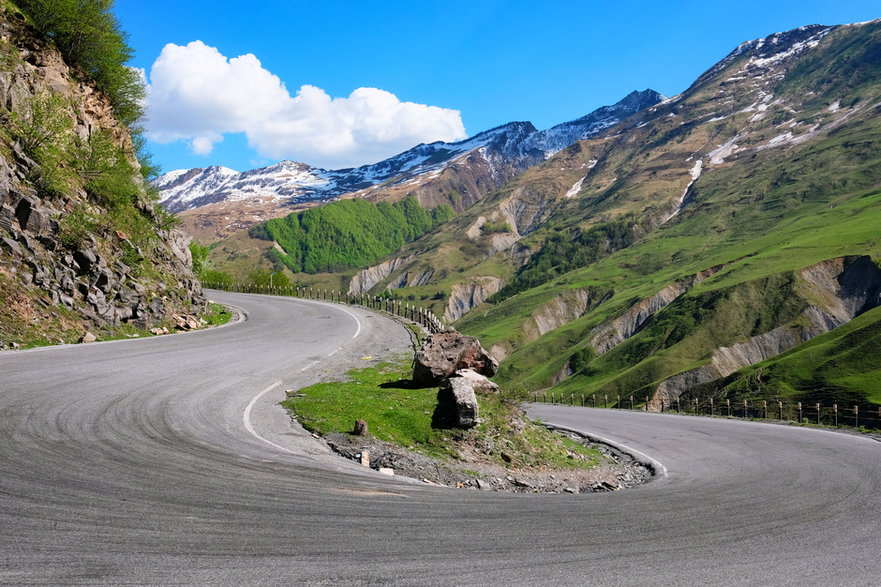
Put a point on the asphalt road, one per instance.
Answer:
(166, 460)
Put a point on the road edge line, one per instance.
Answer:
(657, 466)
(246, 418)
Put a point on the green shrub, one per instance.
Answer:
(88, 36)
(495, 227)
(199, 254)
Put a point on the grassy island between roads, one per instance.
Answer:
(399, 413)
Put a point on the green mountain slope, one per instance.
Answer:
(688, 239)
(348, 233)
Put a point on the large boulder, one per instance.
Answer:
(448, 351)
(461, 400)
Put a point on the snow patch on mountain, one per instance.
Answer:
(517, 143)
(680, 202)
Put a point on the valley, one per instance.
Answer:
(674, 235)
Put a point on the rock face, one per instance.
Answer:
(467, 295)
(840, 288)
(365, 279)
(564, 308)
(446, 352)
(103, 275)
(613, 333)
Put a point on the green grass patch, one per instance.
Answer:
(217, 314)
(398, 413)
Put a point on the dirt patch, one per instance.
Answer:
(618, 471)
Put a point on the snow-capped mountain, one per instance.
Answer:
(496, 156)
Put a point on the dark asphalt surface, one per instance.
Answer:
(166, 461)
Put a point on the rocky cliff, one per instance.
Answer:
(838, 290)
(77, 252)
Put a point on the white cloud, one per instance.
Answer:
(197, 94)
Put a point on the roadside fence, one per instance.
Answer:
(425, 318)
(866, 416)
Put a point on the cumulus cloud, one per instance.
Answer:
(197, 94)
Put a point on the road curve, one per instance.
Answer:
(166, 460)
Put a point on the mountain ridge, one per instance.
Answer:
(515, 145)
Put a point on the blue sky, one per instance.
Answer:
(427, 70)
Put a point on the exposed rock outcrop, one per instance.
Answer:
(840, 289)
(100, 273)
(625, 325)
(470, 294)
(562, 309)
(446, 352)
(364, 280)
(613, 333)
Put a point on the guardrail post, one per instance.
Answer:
(818, 413)
(712, 411)
(678, 406)
(593, 398)
(728, 404)
(765, 408)
(606, 401)
(582, 400)
(856, 416)
(745, 409)
(631, 403)
(694, 410)
(835, 414)
(799, 413)
(617, 402)
(779, 410)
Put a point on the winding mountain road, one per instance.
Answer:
(167, 460)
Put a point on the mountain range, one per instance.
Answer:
(433, 172)
(720, 243)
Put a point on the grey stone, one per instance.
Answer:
(48, 242)
(7, 215)
(11, 246)
(103, 280)
(23, 210)
(85, 259)
(128, 296)
(38, 221)
(480, 383)
(124, 313)
(67, 283)
(88, 337)
(460, 396)
(25, 240)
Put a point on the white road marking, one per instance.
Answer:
(246, 418)
(334, 352)
(357, 321)
(307, 366)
